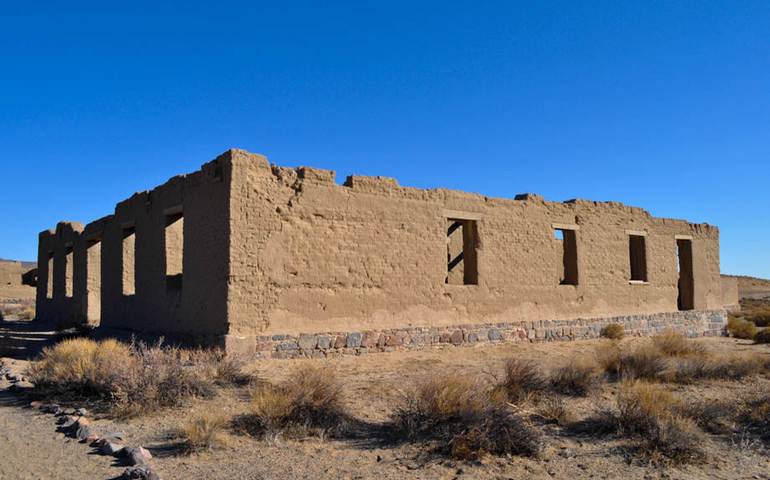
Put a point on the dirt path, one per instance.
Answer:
(30, 448)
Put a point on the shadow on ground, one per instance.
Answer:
(24, 339)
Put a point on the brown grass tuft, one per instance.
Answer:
(645, 362)
(673, 344)
(613, 331)
(308, 401)
(131, 379)
(462, 419)
(553, 409)
(578, 377)
(740, 328)
(203, 432)
(648, 412)
(762, 336)
(521, 380)
(609, 358)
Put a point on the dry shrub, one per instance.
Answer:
(553, 409)
(463, 420)
(754, 414)
(708, 367)
(645, 362)
(521, 380)
(712, 416)
(613, 331)
(82, 366)
(673, 344)
(641, 405)
(648, 412)
(203, 432)
(131, 379)
(609, 357)
(308, 401)
(224, 369)
(578, 377)
(761, 318)
(740, 328)
(762, 336)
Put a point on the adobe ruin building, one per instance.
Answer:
(286, 262)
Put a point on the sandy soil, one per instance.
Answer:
(372, 384)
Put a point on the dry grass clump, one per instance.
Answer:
(553, 409)
(740, 328)
(710, 367)
(613, 331)
(522, 379)
(762, 336)
(715, 417)
(755, 415)
(647, 412)
(203, 432)
(578, 377)
(462, 419)
(307, 401)
(673, 344)
(131, 379)
(645, 362)
(83, 366)
(609, 358)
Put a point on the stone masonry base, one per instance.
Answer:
(690, 323)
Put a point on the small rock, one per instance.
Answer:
(137, 455)
(139, 473)
(112, 448)
(66, 422)
(35, 404)
(51, 408)
(81, 412)
(86, 434)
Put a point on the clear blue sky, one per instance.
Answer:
(663, 105)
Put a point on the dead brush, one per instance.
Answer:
(673, 344)
(609, 358)
(716, 417)
(461, 419)
(648, 413)
(553, 409)
(740, 328)
(762, 336)
(578, 377)
(645, 362)
(613, 331)
(522, 380)
(203, 432)
(129, 379)
(710, 367)
(308, 401)
(754, 414)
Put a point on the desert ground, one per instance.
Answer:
(372, 386)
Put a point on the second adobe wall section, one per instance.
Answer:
(309, 255)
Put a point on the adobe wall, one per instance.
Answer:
(12, 290)
(308, 255)
(730, 296)
(265, 254)
(103, 266)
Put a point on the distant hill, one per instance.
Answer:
(750, 285)
(24, 263)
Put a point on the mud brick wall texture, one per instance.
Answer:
(243, 251)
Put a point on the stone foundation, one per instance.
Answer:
(691, 323)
